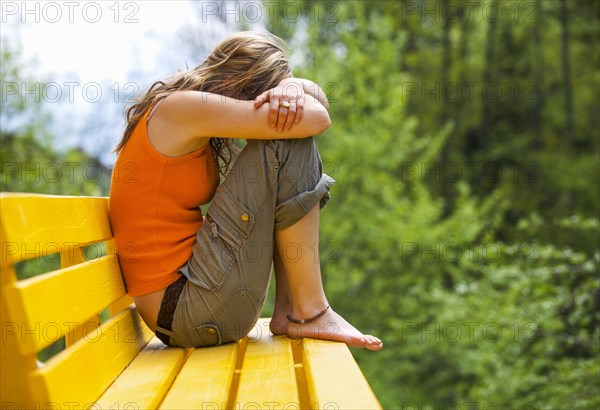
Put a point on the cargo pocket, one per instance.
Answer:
(204, 336)
(236, 219)
(228, 222)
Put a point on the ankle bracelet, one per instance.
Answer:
(310, 319)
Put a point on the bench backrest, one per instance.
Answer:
(75, 304)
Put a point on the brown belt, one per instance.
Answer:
(167, 309)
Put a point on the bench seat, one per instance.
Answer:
(102, 355)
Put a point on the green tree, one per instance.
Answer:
(484, 287)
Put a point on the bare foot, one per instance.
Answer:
(279, 322)
(332, 326)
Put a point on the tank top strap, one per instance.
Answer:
(153, 107)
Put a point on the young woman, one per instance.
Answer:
(202, 281)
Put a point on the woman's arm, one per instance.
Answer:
(186, 120)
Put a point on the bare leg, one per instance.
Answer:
(283, 299)
(298, 251)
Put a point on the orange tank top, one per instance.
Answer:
(154, 209)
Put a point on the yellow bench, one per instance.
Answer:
(110, 359)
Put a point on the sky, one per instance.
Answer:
(89, 57)
(99, 41)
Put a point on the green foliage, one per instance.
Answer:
(484, 286)
(29, 165)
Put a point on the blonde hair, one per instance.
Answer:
(242, 66)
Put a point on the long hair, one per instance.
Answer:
(242, 66)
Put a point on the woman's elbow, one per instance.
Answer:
(323, 122)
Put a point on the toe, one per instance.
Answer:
(359, 341)
(375, 347)
(376, 340)
(374, 343)
(373, 339)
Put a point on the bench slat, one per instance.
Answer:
(144, 383)
(267, 372)
(40, 225)
(122, 303)
(334, 377)
(84, 290)
(81, 373)
(204, 380)
(14, 367)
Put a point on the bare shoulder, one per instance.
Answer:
(168, 131)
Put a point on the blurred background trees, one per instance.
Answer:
(464, 224)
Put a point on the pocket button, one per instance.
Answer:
(245, 217)
(205, 336)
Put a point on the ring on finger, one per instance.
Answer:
(284, 104)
